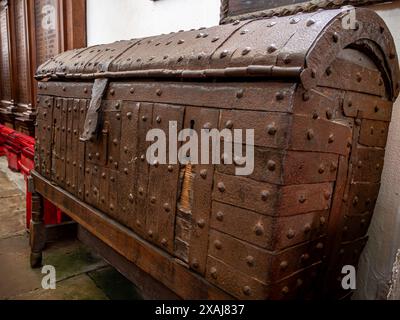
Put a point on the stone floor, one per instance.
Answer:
(80, 274)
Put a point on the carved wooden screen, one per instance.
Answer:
(33, 31)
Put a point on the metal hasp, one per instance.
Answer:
(319, 98)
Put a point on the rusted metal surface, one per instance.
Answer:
(232, 10)
(277, 233)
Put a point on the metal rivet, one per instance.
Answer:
(131, 198)
(240, 94)
(201, 223)
(335, 37)
(321, 169)
(259, 229)
(310, 134)
(195, 264)
(322, 220)
(327, 195)
(229, 124)
(112, 92)
(181, 41)
(213, 272)
(246, 51)
(283, 265)
(285, 290)
(220, 216)
(167, 207)
(247, 290)
(223, 54)
(271, 165)
(221, 186)
(304, 257)
(132, 90)
(158, 119)
(291, 234)
(307, 228)
(170, 168)
(271, 129)
(159, 92)
(129, 115)
(310, 22)
(250, 261)
(302, 198)
(203, 173)
(272, 48)
(150, 233)
(265, 195)
(218, 244)
(331, 138)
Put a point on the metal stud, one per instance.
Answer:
(166, 207)
(265, 195)
(272, 48)
(331, 138)
(220, 216)
(310, 22)
(302, 198)
(246, 51)
(310, 134)
(217, 244)
(271, 129)
(201, 223)
(294, 20)
(195, 264)
(271, 165)
(283, 265)
(223, 54)
(335, 37)
(291, 234)
(259, 229)
(203, 173)
(240, 94)
(221, 186)
(247, 290)
(213, 272)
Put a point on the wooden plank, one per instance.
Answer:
(147, 257)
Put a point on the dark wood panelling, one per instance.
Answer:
(33, 31)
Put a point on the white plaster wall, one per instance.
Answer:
(378, 257)
(112, 20)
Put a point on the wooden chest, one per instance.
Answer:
(318, 97)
